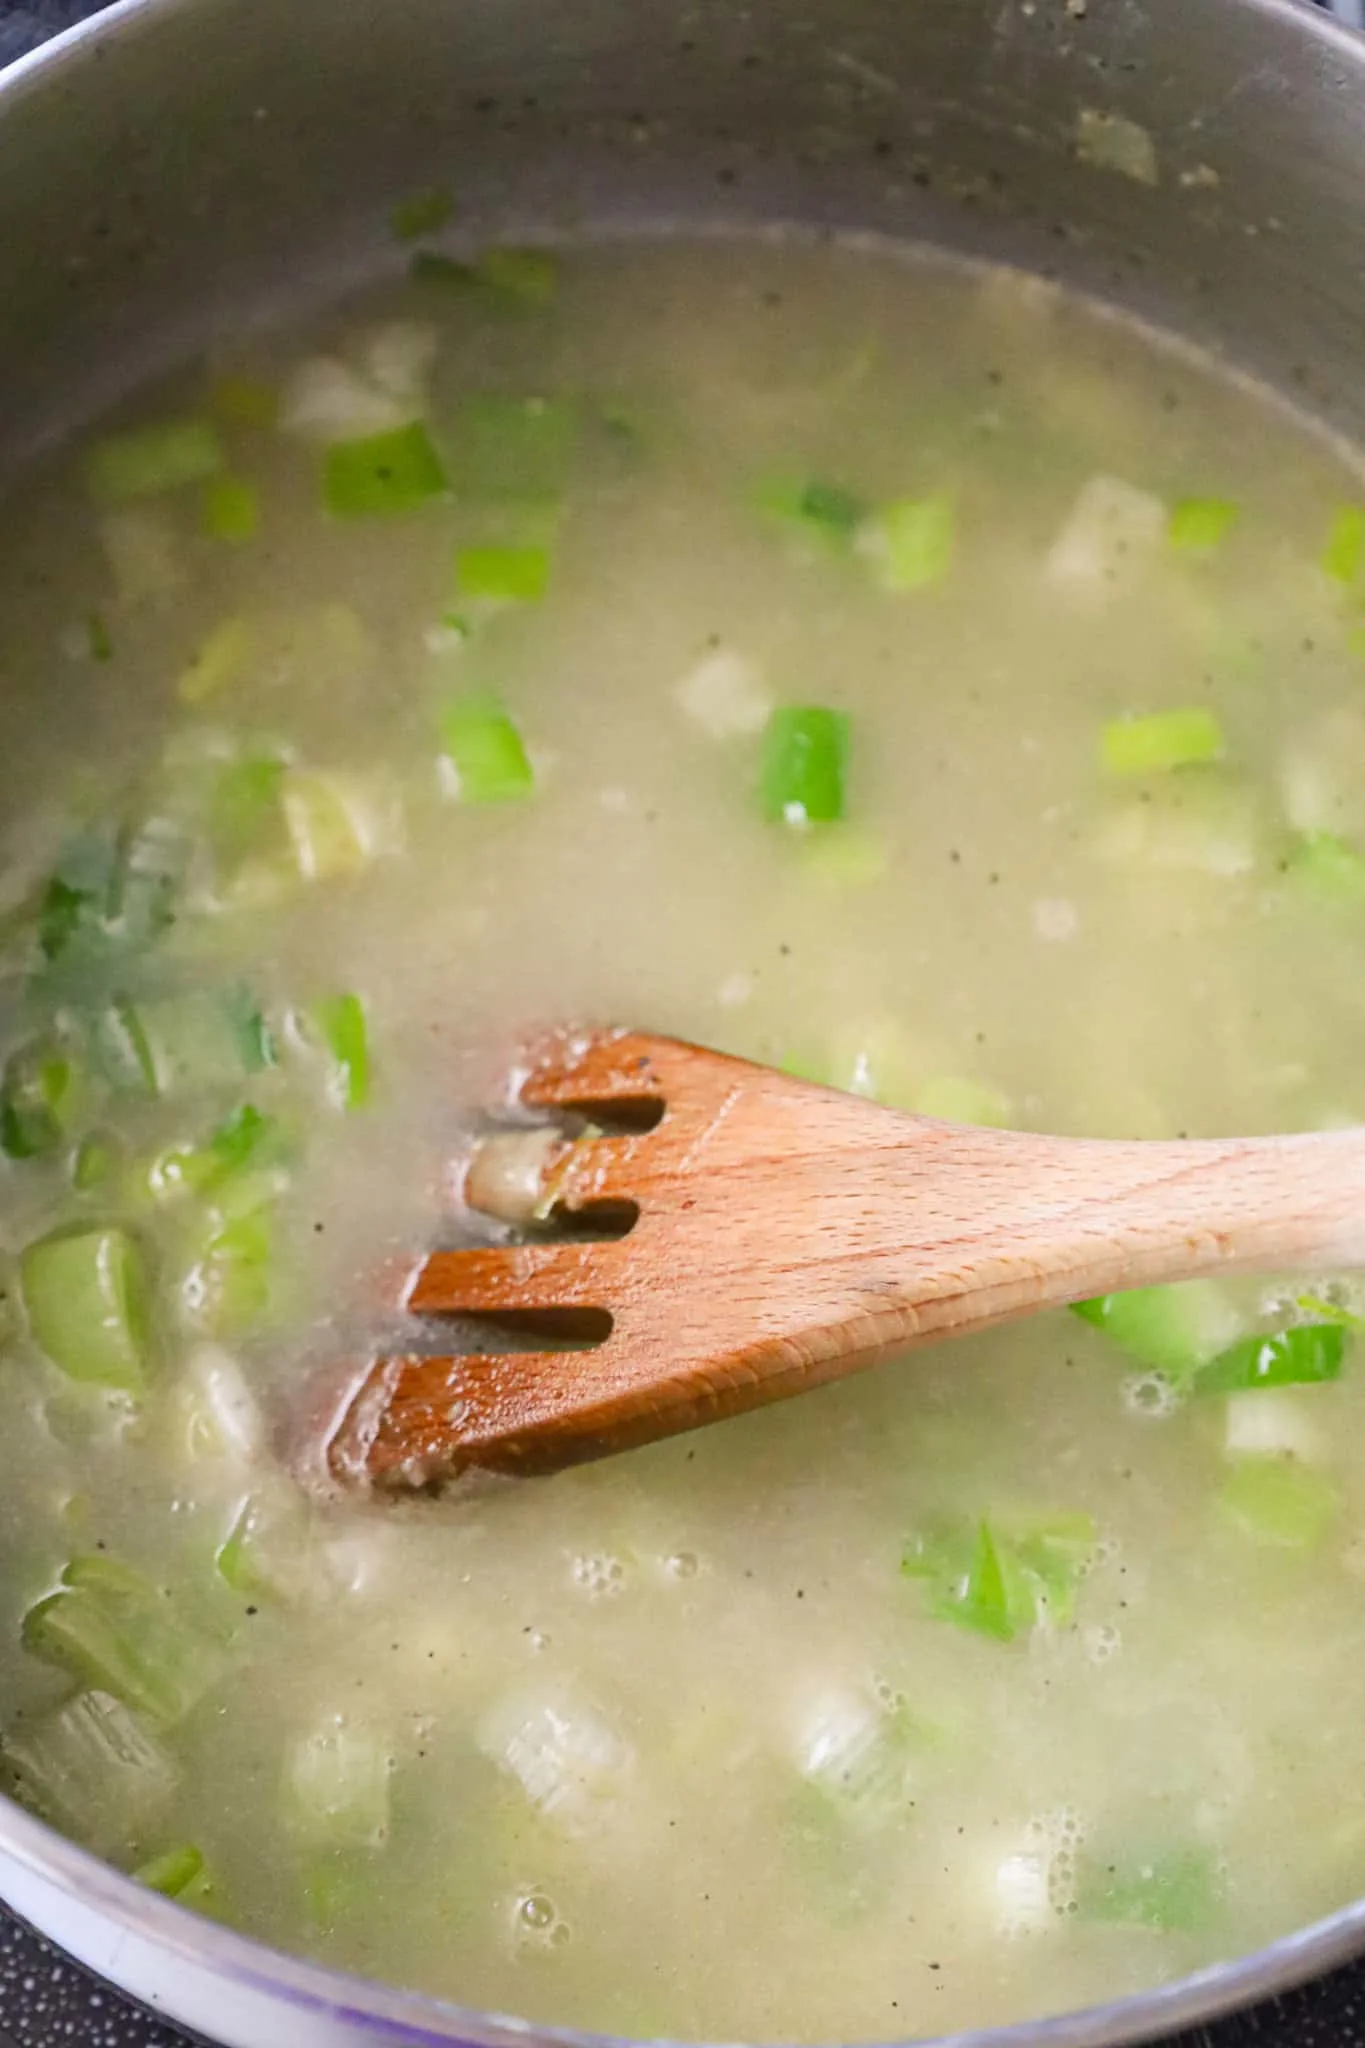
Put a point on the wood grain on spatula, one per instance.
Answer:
(788, 1234)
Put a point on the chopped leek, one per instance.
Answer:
(340, 1021)
(99, 638)
(424, 213)
(1306, 1355)
(1001, 1585)
(1343, 558)
(1197, 526)
(37, 1092)
(1161, 741)
(512, 448)
(231, 509)
(112, 1629)
(805, 758)
(487, 757)
(230, 1283)
(1328, 865)
(1174, 1892)
(243, 1142)
(383, 473)
(146, 460)
(821, 512)
(86, 1296)
(528, 276)
(330, 824)
(90, 1767)
(1175, 1330)
(502, 573)
(958, 1100)
(1279, 1502)
(180, 1874)
(911, 542)
(218, 663)
(245, 401)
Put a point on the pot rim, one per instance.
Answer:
(416, 2020)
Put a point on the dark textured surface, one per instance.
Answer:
(48, 2002)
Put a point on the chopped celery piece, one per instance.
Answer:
(1304, 1356)
(529, 276)
(486, 753)
(245, 803)
(341, 1025)
(1175, 1892)
(1343, 558)
(382, 473)
(960, 1101)
(244, 1141)
(231, 509)
(265, 1554)
(146, 460)
(1175, 1330)
(512, 448)
(86, 1296)
(805, 758)
(177, 1874)
(337, 1784)
(91, 1768)
(1277, 1501)
(211, 1414)
(1197, 526)
(1000, 1585)
(496, 572)
(423, 213)
(1329, 865)
(37, 1098)
(1161, 741)
(818, 511)
(911, 542)
(113, 1629)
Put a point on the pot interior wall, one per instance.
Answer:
(198, 158)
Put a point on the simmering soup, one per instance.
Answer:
(893, 671)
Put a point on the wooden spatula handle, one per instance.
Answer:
(789, 1234)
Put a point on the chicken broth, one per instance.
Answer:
(900, 673)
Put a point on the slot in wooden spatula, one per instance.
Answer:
(784, 1234)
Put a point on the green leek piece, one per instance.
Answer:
(1000, 1585)
(91, 1768)
(423, 213)
(147, 460)
(485, 751)
(326, 832)
(37, 1098)
(805, 759)
(912, 542)
(231, 509)
(495, 572)
(180, 1874)
(230, 1284)
(340, 1022)
(384, 473)
(430, 266)
(1304, 1356)
(1197, 526)
(95, 1163)
(100, 638)
(255, 1041)
(1174, 1892)
(1276, 1501)
(1328, 865)
(821, 512)
(86, 1296)
(1343, 558)
(112, 1629)
(1161, 741)
(265, 1555)
(120, 1049)
(960, 1101)
(512, 448)
(530, 277)
(337, 1785)
(1175, 1330)
(1324, 1311)
(245, 804)
(73, 913)
(243, 1142)
(845, 856)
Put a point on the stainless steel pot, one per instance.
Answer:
(184, 162)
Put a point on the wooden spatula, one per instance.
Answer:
(782, 1234)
